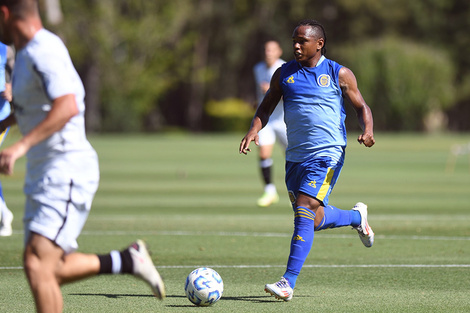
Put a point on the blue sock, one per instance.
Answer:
(355, 218)
(335, 217)
(1, 191)
(301, 243)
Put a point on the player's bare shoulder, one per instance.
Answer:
(347, 79)
(276, 81)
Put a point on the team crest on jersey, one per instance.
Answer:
(324, 80)
(290, 80)
(291, 196)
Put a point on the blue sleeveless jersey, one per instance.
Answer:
(5, 108)
(313, 110)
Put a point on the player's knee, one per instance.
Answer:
(308, 202)
(32, 267)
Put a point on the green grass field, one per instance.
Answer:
(192, 199)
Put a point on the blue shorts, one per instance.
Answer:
(315, 177)
(3, 135)
(5, 111)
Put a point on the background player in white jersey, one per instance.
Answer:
(62, 168)
(7, 60)
(276, 128)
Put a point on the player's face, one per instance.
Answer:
(306, 45)
(272, 52)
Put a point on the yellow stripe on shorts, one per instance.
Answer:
(326, 184)
(2, 136)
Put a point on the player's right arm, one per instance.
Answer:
(7, 122)
(62, 110)
(264, 111)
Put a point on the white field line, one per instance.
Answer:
(255, 234)
(305, 266)
(327, 266)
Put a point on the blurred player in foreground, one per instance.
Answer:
(276, 128)
(62, 172)
(7, 60)
(313, 88)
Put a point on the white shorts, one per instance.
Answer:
(274, 130)
(58, 211)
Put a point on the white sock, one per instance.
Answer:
(116, 261)
(270, 188)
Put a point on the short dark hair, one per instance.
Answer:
(21, 8)
(318, 28)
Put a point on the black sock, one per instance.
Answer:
(127, 263)
(266, 172)
(106, 264)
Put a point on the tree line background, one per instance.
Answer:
(187, 64)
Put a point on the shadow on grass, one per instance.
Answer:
(111, 296)
(252, 299)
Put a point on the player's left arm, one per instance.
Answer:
(348, 84)
(62, 110)
(264, 111)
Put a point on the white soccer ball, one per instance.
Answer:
(204, 286)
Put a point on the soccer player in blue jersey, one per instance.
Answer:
(313, 89)
(6, 67)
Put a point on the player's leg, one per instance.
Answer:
(47, 268)
(266, 143)
(266, 163)
(134, 260)
(305, 216)
(332, 217)
(309, 184)
(60, 221)
(41, 258)
(302, 237)
(76, 266)
(307, 213)
(6, 216)
(321, 175)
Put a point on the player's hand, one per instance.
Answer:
(367, 139)
(9, 156)
(6, 94)
(245, 144)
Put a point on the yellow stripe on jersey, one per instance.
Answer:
(326, 184)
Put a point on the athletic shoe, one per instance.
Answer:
(143, 268)
(6, 218)
(280, 290)
(267, 199)
(365, 232)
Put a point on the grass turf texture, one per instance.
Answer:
(192, 199)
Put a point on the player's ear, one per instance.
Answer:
(320, 43)
(4, 11)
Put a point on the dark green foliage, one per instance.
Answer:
(403, 82)
(151, 64)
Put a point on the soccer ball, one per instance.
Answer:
(204, 286)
